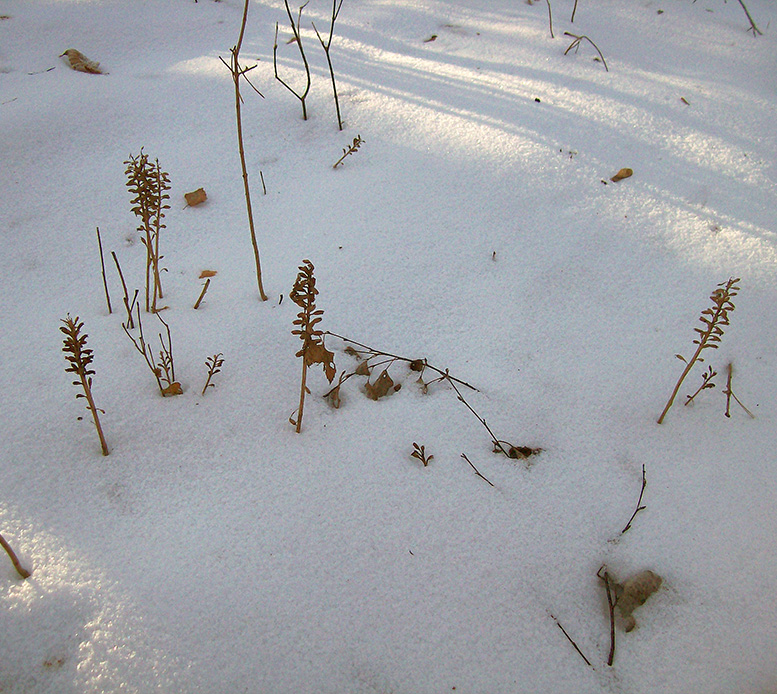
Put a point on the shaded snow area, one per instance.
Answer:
(215, 549)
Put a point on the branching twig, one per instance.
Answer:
(335, 11)
(576, 43)
(213, 364)
(298, 40)
(477, 472)
(238, 72)
(730, 393)
(639, 502)
(352, 149)
(14, 559)
(706, 382)
(611, 606)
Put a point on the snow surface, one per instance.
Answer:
(216, 550)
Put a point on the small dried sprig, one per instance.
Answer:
(611, 600)
(79, 358)
(706, 383)
(730, 393)
(419, 453)
(128, 305)
(576, 44)
(640, 507)
(14, 559)
(714, 319)
(313, 351)
(354, 147)
(213, 364)
(164, 370)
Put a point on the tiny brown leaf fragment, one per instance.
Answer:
(173, 389)
(381, 387)
(207, 273)
(80, 63)
(196, 197)
(623, 173)
(363, 369)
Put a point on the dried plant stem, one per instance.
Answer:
(14, 559)
(213, 365)
(730, 393)
(237, 73)
(550, 19)
(639, 502)
(611, 607)
(706, 383)
(202, 293)
(713, 318)
(569, 638)
(127, 304)
(574, 10)
(335, 11)
(477, 472)
(298, 40)
(576, 43)
(352, 149)
(102, 266)
(756, 31)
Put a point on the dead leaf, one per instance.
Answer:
(623, 173)
(363, 369)
(195, 197)
(316, 353)
(381, 387)
(79, 62)
(634, 592)
(207, 273)
(173, 389)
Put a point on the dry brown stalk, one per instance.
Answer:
(164, 370)
(729, 393)
(639, 502)
(102, 266)
(335, 11)
(298, 40)
(80, 357)
(352, 149)
(714, 320)
(576, 44)
(602, 574)
(14, 559)
(129, 306)
(237, 72)
(202, 293)
(313, 350)
(213, 364)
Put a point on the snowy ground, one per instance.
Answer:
(215, 549)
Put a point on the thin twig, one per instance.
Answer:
(569, 638)
(639, 502)
(298, 40)
(102, 266)
(550, 19)
(756, 31)
(127, 304)
(335, 11)
(202, 293)
(730, 393)
(576, 43)
(14, 559)
(611, 606)
(477, 472)
(574, 9)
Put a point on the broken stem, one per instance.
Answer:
(14, 559)
(477, 472)
(639, 502)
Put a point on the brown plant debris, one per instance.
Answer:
(633, 593)
(352, 149)
(80, 63)
(623, 173)
(14, 559)
(213, 364)
(419, 453)
(208, 273)
(196, 197)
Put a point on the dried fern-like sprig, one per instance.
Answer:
(353, 148)
(714, 319)
(80, 358)
(148, 183)
(213, 364)
(419, 452)
(313, 350)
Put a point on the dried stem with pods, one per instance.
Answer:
(313, 351)
(213, 364)
(14, 559)
(351, 149)
(714, 319)
(297, 38)
(576, 44)
(706, 384)
(148, 184)
(79, 358)
(326, 45)
(164, 369)
(237, 72)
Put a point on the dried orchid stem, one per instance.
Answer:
(550, 19)
(127, 305)
(14, 559)
(706, 382)
(574, 10)
(213, 365)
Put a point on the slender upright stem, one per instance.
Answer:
(302, 391)
(14, 559)
(102, 265)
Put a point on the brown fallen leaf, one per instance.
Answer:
(79, 62)
(195, 197)
(173, 389)
(623, 173)
(316, 353)
(381, 387)
(207, 273)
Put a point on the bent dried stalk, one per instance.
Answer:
(576, 44)
(326, 46)
(298, 40)
(14, 559)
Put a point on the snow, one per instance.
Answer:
(216, 550)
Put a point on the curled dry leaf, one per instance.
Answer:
(173, 389)
(382, 386)
(623, 173)
(363, 369)
(316, 353)
(195, 197)
(79, 62)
